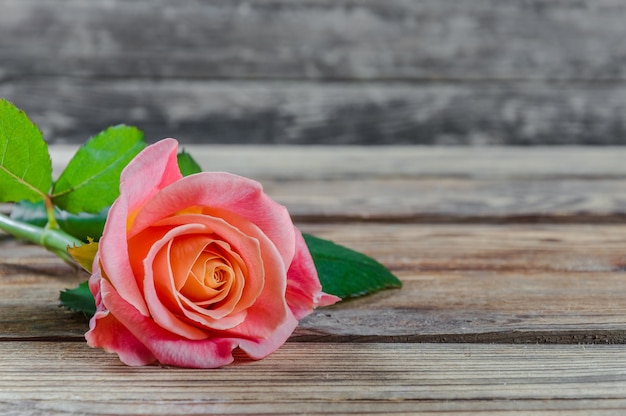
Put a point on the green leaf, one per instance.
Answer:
(347, 273)
(188, 166)
(91, 180)
(25, 166)
(79, 299)
(82, 226)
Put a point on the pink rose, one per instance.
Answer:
(188, 269)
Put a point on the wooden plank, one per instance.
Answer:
(283, 164)
(514, 283)
(314, 39)
(196, 111)
(424, 184)
(462, 283)
(30, 281)
(320, 379)
(79, 66)
(449, 201)
(453, 200)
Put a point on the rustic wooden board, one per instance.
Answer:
(208, 111)
(309, 378)
(453, 200)
(424, 184)
(524, 283)
(30, 281)
(489, 318)
(462, 283)
(310, 164)
(476, 72)
(314, 39)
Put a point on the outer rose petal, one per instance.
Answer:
(167, 348)
(224, 195)
(108, 333)
(304, 291)
(154, 168)
(261, 349)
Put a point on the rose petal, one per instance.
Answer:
(304, 291)
(155, 167)
(151, 170)
(168, 348)
(228, 315)
(257, 349)
(105, 331)
(270, 308)
(108, 333)
(163, 301)
(223, 195)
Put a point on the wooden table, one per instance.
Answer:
(514, 294)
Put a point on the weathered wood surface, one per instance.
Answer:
(199, 111)
(315, 39)
(446, 72)
(462, 283)
(425, 184)
(311, 163)
(315, 379)
(498, 313)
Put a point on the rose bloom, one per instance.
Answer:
(188, 269)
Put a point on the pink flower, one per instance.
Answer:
(188, 269)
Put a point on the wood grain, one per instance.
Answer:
(310, 164)
(453, 200)
(201, 111)
(462, 283)
(496, 315)
(423, 184)
(314, 39)
(433, 72)
(309, 378)
(486, 284)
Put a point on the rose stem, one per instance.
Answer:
(54, 240)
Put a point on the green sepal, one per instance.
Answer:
(79, 299)
(25, 165)
(91, 180)
(347, 273)
(187, 165)
(84, 254)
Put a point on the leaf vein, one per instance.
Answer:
(21, 180)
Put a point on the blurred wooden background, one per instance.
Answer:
(434, 72)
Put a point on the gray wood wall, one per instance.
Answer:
(466, 72)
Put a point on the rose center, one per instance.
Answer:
(218, 277)
(215, 272)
